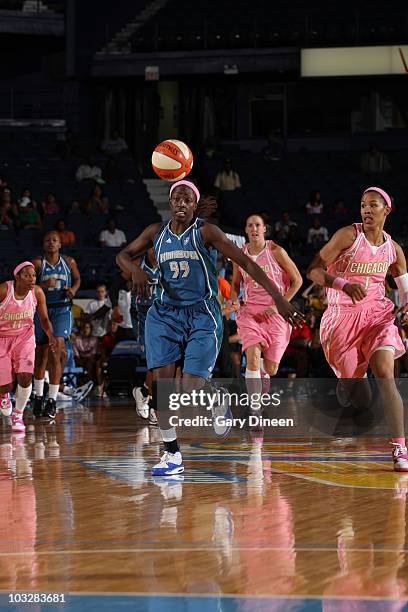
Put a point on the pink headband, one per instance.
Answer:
(187, 184)
(21, 266)
(382, 193)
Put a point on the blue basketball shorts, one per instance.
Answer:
(61, 320)
(192, 334)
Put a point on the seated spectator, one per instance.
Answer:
(5, 221)
(89, 171)
(50, 205)
(28, 217)
(97, 202)
(88, 356)
(111, 236)
(374, 161)
(339, 207)
(316, 299)
(114, 145)
(26, 193)
(98, 312)
(315, 204)
(317, 235)
(227, 179)
(284, 224)
(120, 297)
(297, 353)
(294, 243)
(109, 340)
(67, 237)
(74, 208)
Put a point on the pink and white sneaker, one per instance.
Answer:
(400, 457)
(17, 423)
(6, 406)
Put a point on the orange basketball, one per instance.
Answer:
(172, 160)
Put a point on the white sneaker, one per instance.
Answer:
(6, 407)
(63, 397)
(400, 457)
(169, 464)
(142, 403)
(222, 415)
(152, 417)
(80, 393)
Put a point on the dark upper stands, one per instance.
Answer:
(210, 24)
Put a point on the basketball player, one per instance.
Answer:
(184, 322)
(18, 301)
(139, 309)
(357, 329)
(261, 328)
(59, 278)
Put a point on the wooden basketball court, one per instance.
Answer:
(251, 525)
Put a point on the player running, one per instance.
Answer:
(357, 329)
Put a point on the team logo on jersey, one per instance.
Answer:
(168, 240)
(186, 240)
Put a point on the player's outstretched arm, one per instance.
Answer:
(235, 286)
(342, 240)
(43, 316)
(125, 259)
(213, 236)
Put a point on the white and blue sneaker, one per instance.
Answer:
(170, 463)
(222, 415)
(80, 393)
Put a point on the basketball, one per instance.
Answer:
(172, 160)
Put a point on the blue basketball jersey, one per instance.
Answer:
(188, 271)
(61, 272)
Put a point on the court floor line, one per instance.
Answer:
(111, 551)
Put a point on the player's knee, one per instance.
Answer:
(271, 368)
(24, 379)
(384, 371)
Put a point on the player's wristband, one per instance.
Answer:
(339, 283)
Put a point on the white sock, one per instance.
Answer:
(22, 397)
(168, 435)
(53, 391)
(39, 387)
(253, 381)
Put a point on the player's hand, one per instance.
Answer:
(140, 281)
(403, 312)
(70, 292)
(291, 314)
(52, 343)
(233, 305)
(355, 291)
(117, 315)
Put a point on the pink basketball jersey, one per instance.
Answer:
(16, 316)
(255, 293)
(365, 264)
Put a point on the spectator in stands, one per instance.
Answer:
(317, 235)
(28, 217)
(339, 207)
(89, 171)
(297, 353)
(294, 243)
(5, 221)
(120, 297)
(74, 208)
(67, 237)
(114, 145)
(111, 236)
(315, 204)
(109, 340)
(11, 207)
(50, 205)
(26, 193)
(284, 224)
(97, 202)
(98, 312)
(316, 299)
(87, 355)
(375, 161)
(227, 179)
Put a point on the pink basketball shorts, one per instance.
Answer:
(351, 334)
(272, 333)
(16, 355)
